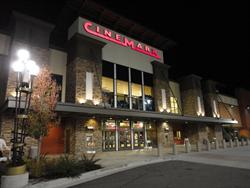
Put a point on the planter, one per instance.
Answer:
(15, 181)
(17, 170)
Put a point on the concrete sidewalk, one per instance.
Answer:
(115, 162)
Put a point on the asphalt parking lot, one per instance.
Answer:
(175, 174)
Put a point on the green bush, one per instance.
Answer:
(64, 166)
(89, 163)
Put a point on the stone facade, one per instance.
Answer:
(226, 111)
(190, 89)
(164, 134)
(76, 81)
(243, 97)
(86, 57)
(81, 134)
(160, 79)
(209, 89)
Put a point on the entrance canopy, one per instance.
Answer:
(69, 109)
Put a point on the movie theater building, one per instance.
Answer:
(115, 90)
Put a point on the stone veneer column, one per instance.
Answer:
(209, 89)
(81, 132)
(84, 55)
(165, 137)
(160, 81)
(218, 132)
(190, 87)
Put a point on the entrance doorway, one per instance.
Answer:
(124, 135)
(138, 134)
(53, 143)
(109, 135)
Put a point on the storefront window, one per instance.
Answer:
(108, 90)
(109, 135)
(173, 105)
(136, 89)
(148, 91)
(122, 94)
(149, 100)
(136, 96)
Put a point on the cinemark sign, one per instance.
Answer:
(106, 34)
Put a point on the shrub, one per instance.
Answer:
(89, 163)
(64, 166)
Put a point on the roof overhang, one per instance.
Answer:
(71, 109)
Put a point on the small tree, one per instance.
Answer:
(43, 103)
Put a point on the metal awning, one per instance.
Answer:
(69, 109)
(116, 112)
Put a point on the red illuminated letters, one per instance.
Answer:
(118, 39)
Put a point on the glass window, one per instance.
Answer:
(149, 100)
(148, 90)
(107, 84)
(136, 76)
(148, 79)
(136, 96)
(174, 105)
(121, 73)
(58, 79)
(108, 69)
(122, 94)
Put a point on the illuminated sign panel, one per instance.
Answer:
(109, 35)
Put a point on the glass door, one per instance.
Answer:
(109, 140)
(139, 134)
(124, 135)
(109, 135)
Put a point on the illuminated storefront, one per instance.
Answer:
(115, 91)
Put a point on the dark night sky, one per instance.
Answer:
(212, 38)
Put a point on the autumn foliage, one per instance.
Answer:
(43, 103)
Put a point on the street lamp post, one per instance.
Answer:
(26, 69)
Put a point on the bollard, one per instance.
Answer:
(187, 146)
(237, 142)
(231, 143)
(174, 149)
(208, 146)
(198, 146)
(216, 144)
(224, 144)
(160, 150)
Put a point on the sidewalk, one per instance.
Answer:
(114, 162)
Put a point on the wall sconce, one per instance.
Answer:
(81, 100)
(248, 107)
(165, 126)
(165, 110)
(96, 101)
(200, 113)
